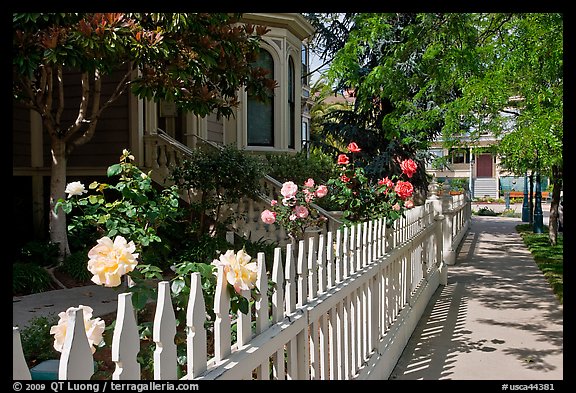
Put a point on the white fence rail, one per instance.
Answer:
(343, 307)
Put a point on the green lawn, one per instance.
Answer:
(550, 259)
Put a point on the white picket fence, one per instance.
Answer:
(344, 306)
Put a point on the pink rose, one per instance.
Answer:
(268, 217)
(408, 167)
(273, 202)
(309, 183)
(289, 189)
(396, 206)
(345, 178)
(409, 204)
(404, 189)
(321, 191)
(301, 211)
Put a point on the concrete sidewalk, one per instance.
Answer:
(497, 319)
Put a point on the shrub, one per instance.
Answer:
(75, 266)
(37, 342)
(28, 278)
(39, 252)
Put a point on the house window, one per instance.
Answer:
(291, 104)
(459, 156)
(261, 114)
(305, 76)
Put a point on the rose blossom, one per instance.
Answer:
(240, 272)
(75, 188)
(353, 147)
(273, 202)
(309, 183)
(387, 182)
(111, 260)
(301, 211)
(289, 189)
(408, 167)
(321, 191)
(268, 217)
(409, 204)
(404, 189)
(396, 206)
(343, 159)
(345, 178)
(93, 327)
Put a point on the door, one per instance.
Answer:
(484, 165)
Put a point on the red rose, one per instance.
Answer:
(343, 159)
(353, 147)
(404, 189)
(408, 167)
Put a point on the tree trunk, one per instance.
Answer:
(57, 220)
(553, 218)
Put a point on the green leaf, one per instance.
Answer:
(114, 170)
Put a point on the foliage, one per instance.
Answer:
(486, 211)
(293, 209)
(37, 342)
(549, 258)
(38, 252)
(75, 265)
(233, 174)
(299, 167)
(361, 199)
(28, 278)
(199, 61)
(131, 207)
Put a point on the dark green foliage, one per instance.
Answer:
(75, 265)
(39, 252)
(215, 178)
(37, 342)
(299, 168)
(28, 278)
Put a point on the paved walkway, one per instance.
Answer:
(497, 319)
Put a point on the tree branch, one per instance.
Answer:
(60, 95)
(83, 106)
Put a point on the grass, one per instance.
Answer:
(549, 259)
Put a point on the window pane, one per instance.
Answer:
(261, 114)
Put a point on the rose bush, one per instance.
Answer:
(360, 199)
(292, 209)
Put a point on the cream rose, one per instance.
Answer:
(75, 188)
(240, 272)
(94, 328)
(109, 261)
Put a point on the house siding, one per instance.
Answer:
(215, 129)
(20, 136)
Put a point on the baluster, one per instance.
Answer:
(339, 259)
(20, 369)
(243, 322)
(164, 331)
(346, 253)
(321, 261)
(278, 311)
(222, 329)
(126, 341)
(301, 271)
(196, 333)
(330, 273)
(312, 269)
(290, 291)
(76, 361)
(262, 312)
